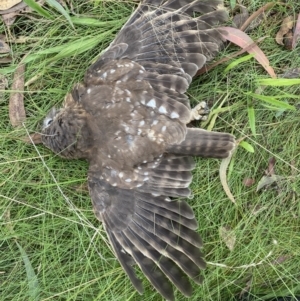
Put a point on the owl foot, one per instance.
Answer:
(200, 111)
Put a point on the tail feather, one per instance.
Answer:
(202, 143)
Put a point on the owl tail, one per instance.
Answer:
(202, 143)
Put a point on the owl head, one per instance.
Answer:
(64, 130)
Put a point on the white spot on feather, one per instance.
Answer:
(88, 91)
(128, 99)
(174, 115)
(141, 71)
(162, 110)
(163, 128)
(104, 75)
(128, 180)
(112, 71)
(127, 92)
(121, 174)
(155, 122)
(151, 103)
(142, 123)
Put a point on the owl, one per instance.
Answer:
(128, 119)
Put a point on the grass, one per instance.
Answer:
(51, 245)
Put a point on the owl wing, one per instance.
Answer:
(164, 38)
(166, 41)
(158, 233)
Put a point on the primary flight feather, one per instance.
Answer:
(129, 120)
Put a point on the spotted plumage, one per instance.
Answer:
(129, 120)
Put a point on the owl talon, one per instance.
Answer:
(200, 111)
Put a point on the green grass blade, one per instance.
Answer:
(232, 4)
(79, 46)
(272, 101)
(32, 279)
(247, 146)
(84, 21)
(61, 10)
(237, 62)
(279, 81)
(36, 7)
(71, 48)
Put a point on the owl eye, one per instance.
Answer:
(47, 122)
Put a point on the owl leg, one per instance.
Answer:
(200, 111)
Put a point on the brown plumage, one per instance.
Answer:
(128, 119)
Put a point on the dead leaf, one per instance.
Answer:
(256, 209)
(248, 182)
(239, 19)
(16, 7)
(281, 259)
(288, 40)
(4, 48)
(10, 18)
(17, 113)
(35, 138)
(293, 169)
(3, 85)
(291, 73)
(223, 177)
(9, 15)
(81, 187)
(5, 60)
(246, 289)
(257, 16)
(267, 181)
(241, 39)
(228, 237)
(271, 167)
(6, 4)
(296, 33)
(286, 25)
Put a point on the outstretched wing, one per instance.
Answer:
(169, 43)
(158, 233)
(164, 38)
